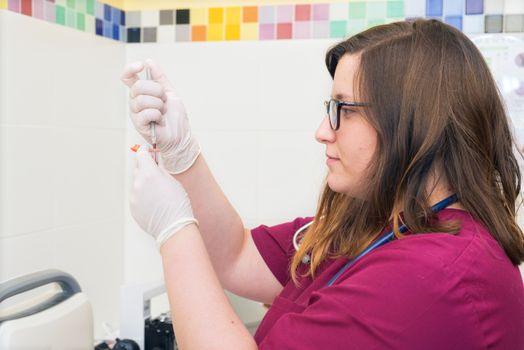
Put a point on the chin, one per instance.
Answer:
(336, 185)
(342, 185)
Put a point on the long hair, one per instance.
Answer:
(436, 110)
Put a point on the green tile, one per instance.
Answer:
(60, 14)
(357, 10)
(70, 18)
(375, 22)
(376, 9)
(71, 4)
(80, 21)
(338, 29)
(356, 26)
(90, 7)
(395, 9)
(81, 6)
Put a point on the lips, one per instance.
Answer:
(330, 157)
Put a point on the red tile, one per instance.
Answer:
(27, 7)
(302, 12)
(284, 31)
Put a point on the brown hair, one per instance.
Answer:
(434, 105)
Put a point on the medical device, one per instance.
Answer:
(152, 124)
(135, 315)
(387, 237)
(58, 321)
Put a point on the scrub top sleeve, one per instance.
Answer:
(275, 244)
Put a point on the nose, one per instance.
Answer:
(324, 133)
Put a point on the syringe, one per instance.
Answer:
(152, 124)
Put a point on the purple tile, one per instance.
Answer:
(38, 9)
(474, 7)
(14, 5)
(266, 14)
(302, 30)
(320, 29)
(285, 14)
(266, 32)
(320, 12)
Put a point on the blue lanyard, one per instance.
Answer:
(389, 237)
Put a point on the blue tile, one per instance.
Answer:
(454, 7)
(122, 18)
(99, 27)
(108, 29)
(455, 21)
(107, 12)
(116, 32)
(115, 15)
(433, 8)
(474, 7)
(123, 32)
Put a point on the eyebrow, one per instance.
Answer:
(343, 97)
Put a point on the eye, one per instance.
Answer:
(346, 111)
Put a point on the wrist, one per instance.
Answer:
(182, 157)
(172, 229)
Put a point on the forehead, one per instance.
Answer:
(343, 81)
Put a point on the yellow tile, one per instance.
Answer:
(3, 4)
(249, 31)
(232, 31)
(233, 15)
(198, 16)
(215, 32)
(216, 15)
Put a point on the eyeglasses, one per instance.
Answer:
(333, 108)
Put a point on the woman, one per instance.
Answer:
(415, 135)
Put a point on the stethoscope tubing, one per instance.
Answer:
(388, 237)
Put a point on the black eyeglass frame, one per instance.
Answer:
(339, 105)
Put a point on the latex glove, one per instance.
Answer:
(155, 101)
(159, 204)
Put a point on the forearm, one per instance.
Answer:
(220, 225)
(201, 313)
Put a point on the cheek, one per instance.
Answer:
(358, 148)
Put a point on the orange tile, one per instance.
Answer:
(250, 14)
(198, 33)
(232, 32)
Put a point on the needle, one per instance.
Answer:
(152, 124)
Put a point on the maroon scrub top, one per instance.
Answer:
(425, 291)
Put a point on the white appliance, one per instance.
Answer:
(63, 321)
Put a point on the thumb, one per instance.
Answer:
(158, 75)
(130, 73)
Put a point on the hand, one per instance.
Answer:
(155, 101)
(159, 204)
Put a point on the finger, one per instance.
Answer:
(158, 75)
(141, 102)
(130, 74)
(148, 116)
(147, 87)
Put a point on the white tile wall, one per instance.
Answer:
(62, 131)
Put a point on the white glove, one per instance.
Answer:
(155, 101)
(159, 204)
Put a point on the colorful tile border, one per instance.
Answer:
(268, 22)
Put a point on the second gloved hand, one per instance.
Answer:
(159, 204)
(156, 101)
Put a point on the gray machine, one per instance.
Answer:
(63, 321)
